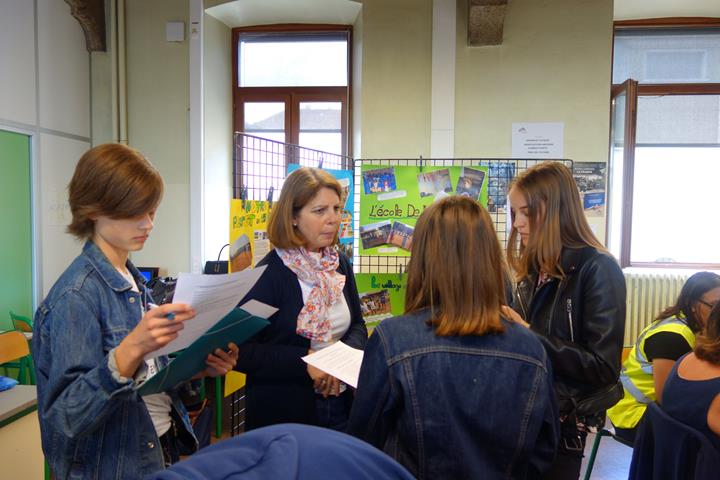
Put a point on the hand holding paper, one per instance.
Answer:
(212, 297)
(339, 360)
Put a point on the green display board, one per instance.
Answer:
(382, 295)
(16, 220)
(393, 197)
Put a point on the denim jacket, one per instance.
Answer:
(457, 406)
(92, 425)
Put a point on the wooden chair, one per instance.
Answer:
(14, 346)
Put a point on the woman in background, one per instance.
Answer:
(95, 328)
(692, 390)
(451, 389)
(659, 345)
(313, 287)
(571, 294)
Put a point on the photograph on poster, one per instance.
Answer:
(432, 183)
(346, 227)
(499, 177)
(346, 249)
(470, 183)
(380, 180)
(374, 304)
(401, 235)
(375, 234)
(590, 179)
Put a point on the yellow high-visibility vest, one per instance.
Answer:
(637, 374)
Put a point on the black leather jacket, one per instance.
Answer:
(580, 321)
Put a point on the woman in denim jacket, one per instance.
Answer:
(452, 389)
(95, 328)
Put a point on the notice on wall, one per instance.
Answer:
(538, 140)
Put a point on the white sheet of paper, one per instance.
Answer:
(212, 297)
(339, 360)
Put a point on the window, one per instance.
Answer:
(665, 146)
(291, 84)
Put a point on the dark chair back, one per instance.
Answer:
(667, 449)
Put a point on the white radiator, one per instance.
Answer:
(647, 295)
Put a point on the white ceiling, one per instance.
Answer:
(633, 9)
(237, 13)
(240, 13)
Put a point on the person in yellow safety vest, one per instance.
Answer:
(659, 345)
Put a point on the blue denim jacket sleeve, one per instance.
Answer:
(374, 409)
(80, 392)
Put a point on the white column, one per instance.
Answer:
(196, 136)
(442, 116)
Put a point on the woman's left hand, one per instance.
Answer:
(220, 362)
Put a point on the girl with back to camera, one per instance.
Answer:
(95, 327)
(659, 345)
(571, 293)
(452, 389)
(313, 286)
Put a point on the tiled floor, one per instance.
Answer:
(612, 461)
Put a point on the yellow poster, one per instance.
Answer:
(248, 233)
(234, 381)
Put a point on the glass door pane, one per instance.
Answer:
(263, 163)
(622, 146)
(265, 119)
(321, 126)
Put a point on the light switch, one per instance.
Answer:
(175, 31)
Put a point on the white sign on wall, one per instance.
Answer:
(537, 140)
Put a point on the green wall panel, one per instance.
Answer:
(15, 227)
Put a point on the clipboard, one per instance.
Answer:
(237, 326)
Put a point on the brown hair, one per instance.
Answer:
(111, 180)
(456, 269)
(299, 188)
(707, 344)
(556, 219)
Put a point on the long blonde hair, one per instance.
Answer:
(456, 269)
(556, 219)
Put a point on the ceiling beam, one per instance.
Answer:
(91, 16)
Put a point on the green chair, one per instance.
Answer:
(25, 326)
(15, 353)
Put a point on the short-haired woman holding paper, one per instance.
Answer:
(313, 286)
(95, 328)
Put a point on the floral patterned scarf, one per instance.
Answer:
(320, 271)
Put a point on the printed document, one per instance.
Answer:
(212, 297)
(339, 360)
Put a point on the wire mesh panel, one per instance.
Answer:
(501, 171)
(260, 167)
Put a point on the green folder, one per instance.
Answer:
(237, 326)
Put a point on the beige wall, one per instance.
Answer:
(158, 102)
(553, 66)
(396, 68)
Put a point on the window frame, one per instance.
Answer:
(292, 96)
(652, 89)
